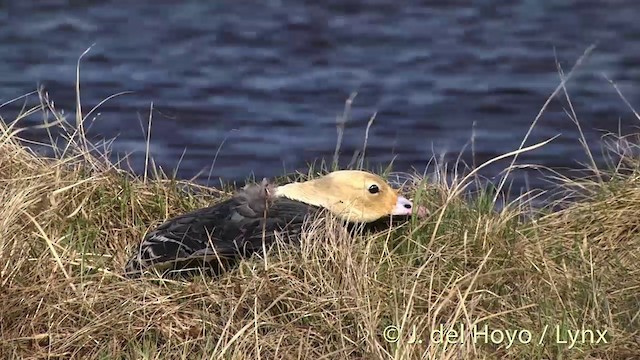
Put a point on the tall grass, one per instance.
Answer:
(70, 221)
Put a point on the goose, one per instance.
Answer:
(216, 237)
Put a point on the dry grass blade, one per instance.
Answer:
(52, 249)
(561, 86)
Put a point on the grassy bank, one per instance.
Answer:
(527, 280)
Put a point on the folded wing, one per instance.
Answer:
(216, 237)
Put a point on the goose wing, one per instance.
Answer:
(238, 227)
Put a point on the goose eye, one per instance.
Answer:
(374, 189)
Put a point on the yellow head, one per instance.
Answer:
(353, 195)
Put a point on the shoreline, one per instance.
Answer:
(70, 222)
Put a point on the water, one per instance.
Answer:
(261, 84)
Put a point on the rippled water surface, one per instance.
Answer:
(261, 83)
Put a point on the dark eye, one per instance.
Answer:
(374, 189)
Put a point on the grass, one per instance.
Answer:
(69, 222)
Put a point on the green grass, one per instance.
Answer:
(68, 225)
(63, 296)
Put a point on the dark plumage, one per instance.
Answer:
(215, 237)
(236, 226)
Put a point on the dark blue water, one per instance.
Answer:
(271, 77)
